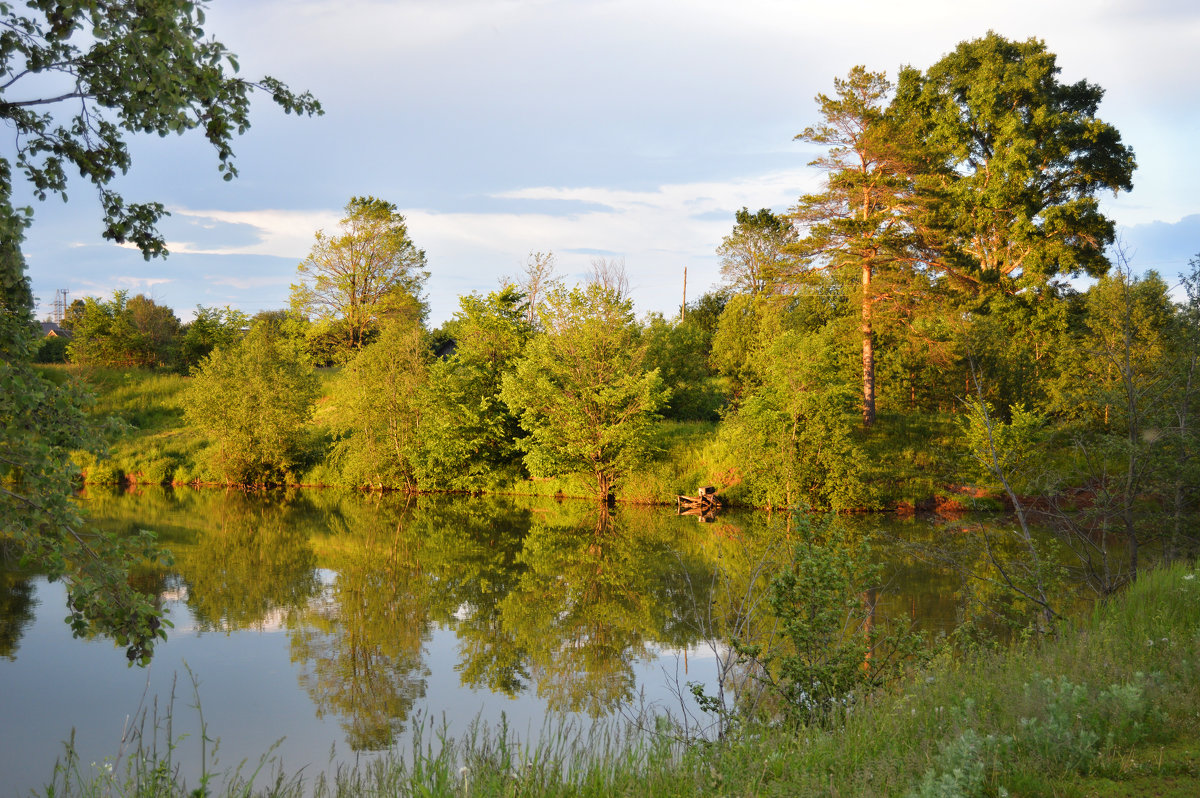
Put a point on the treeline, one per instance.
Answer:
(913, 320)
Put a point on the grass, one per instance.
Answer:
(148, 442)
(1108, 707)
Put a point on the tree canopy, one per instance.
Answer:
(121, 68)
(755, 256)
(253, 400)
(351, 278)
(859, 223)
(582, 391)
(1016, 161)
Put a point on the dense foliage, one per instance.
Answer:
(253, 400)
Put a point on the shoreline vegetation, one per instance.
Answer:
(1106, 705)
(150, 444)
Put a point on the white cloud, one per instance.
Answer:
(658, 232)
(280, 233)
(141, 283)
(565, 111)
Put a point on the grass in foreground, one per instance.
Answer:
(1111, 707)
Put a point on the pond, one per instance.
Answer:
(327, 624)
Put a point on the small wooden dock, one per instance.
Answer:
(703, 505)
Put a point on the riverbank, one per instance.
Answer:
(914, 462)
(1109, 706)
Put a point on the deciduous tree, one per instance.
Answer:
(378, 409)
(125, 333)
(1017, 159)
(755, 256)
(349, 277)
(582, 391)
(253, 401)
(210, 329)
(470, 435)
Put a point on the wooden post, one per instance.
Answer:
(683, 307)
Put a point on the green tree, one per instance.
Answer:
(72, 314)
(755, 256)
(1185, 443)
(52, 349)
(832, 653)
(793, 431)
(144, 67)
(1016, 159)
(1014, 342)
(749, 325)
(858, 225)
(348, 278)
(112, 68)
(210, 329)
(378, 409)
(679, 350)
(125, 333)
(1116, 388)
(470, 435)
(582, 391)
(253, 401)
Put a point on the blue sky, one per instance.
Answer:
(624, 128)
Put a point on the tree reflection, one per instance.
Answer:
(16, 610)
(473, 552)
(359, 643)
(253, 565)
(587, 606)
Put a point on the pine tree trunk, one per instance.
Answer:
(868, 350)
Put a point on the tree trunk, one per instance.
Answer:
(868, 350)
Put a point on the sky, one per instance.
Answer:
(630, 129)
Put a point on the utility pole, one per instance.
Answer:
(683, 307)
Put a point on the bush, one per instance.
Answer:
(253, 401)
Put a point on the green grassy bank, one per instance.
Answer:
(1110, 706)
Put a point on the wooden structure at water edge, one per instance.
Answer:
(704, 504)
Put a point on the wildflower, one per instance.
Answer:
(1188, 577)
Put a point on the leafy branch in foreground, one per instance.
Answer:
(75, 80)
(42, 423)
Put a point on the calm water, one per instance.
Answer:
(334, 621)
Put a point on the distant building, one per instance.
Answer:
(52, 330)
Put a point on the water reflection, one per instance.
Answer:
(16, 610)
(558, 601)
(252, 566)
(359, 643)
(584, 608)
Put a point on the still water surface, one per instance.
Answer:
(334, 621)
